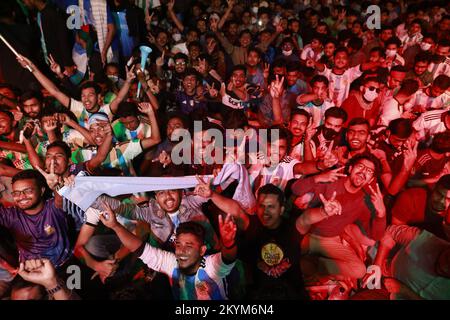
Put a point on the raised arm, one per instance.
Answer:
(226, 14)
(310, 217)
(155, 136)
(114, 105)
(103, 150)
(45, 82)
(173, 16)
(228, 230)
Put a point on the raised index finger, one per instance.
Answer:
(322, 198)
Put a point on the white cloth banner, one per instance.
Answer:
(87, 189)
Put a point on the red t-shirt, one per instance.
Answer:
(354, 109)
(409, 207)
(356, 208)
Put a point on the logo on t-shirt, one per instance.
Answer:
(271, 254)
(49, 230)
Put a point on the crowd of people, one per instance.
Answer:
(336, 183)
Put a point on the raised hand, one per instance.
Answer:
(331, 207)
(54, 66)
(203, 188)
(214, 25)
(151, 38)
(131, 75)
(108, 217)
(212, 91)
(201, 66)
(154, 87)
(266, 71)
(210, 46)
(50, 125)
(146, 108)
(223, 91)
(310, 131)
(330, 176)
(227, 230)
(276, 87)
(160, 61)
(164, 158)
(230, 3)
(39, 271)
(410, 154)
(53, 180)
(25, 62)
(170, 5)
(310, 63)
(329, 159)
(378, 201)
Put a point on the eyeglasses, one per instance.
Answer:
(27, 192)
(180, 63)
(371, 88)
(361, 167)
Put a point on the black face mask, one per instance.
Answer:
(328, 133)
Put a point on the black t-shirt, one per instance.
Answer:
(265, 251)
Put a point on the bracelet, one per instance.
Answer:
(51, 292)
(317, 166)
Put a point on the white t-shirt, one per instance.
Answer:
(308, 53)
(206, 284)
(278, 175)
(390, 110)
(429, 123)
(340, 84)
(83, 115)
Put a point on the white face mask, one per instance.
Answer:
(425, 46)
(287, 53)
(391, 53)
(113, 78)
(176, 37)
(255, 10)
(370, 95)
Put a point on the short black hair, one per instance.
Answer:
(30, 174)
(442, 81)
(272, 189)
(8, 113)
(441, 142)
(367, 156)
(336, 112)
(126, 109)
(359, 121)
(393, 40)
(301, 112)
(193, 228)
(409, 86)
(443, 182)
(30, 94)
(319, 78)
(91, 84)
(422, 57)
(239, 67)
(61, 144)
(401, 127)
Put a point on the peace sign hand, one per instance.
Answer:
(378, 201)
(160, 61)
(203, 189)
(410, 155)
(53, 180)
(212, 91)
(130, 74)
(276, 87)
(266, 70)
(227, 230)
(330, 176)
(54, 66)
(331, 207)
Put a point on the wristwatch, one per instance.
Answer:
(51, 292)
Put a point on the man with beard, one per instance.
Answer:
(270, 246)
(395, 79)
(423, 208)
(301, 129)
(90, 95)
(192, 275)
(357, 137)
(255, 74)
(441, 61)
(39, 228)
(343, 203)
(330, 132)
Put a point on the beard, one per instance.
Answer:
(328, 133)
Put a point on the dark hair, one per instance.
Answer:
(279, 63)
(422, 57)
(370, 78)
(340, 49)
(355, 43)
(8, 113)
(408, 87)
(444, 43)
(30, 94)
(257, 50)
(193, 228)
(191, 72)
(239, 67)
(91, 84)
(292, 66)
(272, 189)
(443, 182)
(401, 127)
(180, 55)
(442, 81)
(30, 174)
(301, 112)
(61, 144)
(235, 119)
(283, 134)
(178, 115)
(112, 64)
(358, 121)
(319, 78)
(379, 50)
(126, 109)
(336, 112)
(399, 68)
(441, 142)
(367, 156)
(393, 40)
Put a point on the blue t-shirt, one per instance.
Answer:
(44, 235)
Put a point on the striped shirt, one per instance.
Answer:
(429, 123)
(119, 157)
(83, 115)
(339, 86)
(421, 98)
(122, 134)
